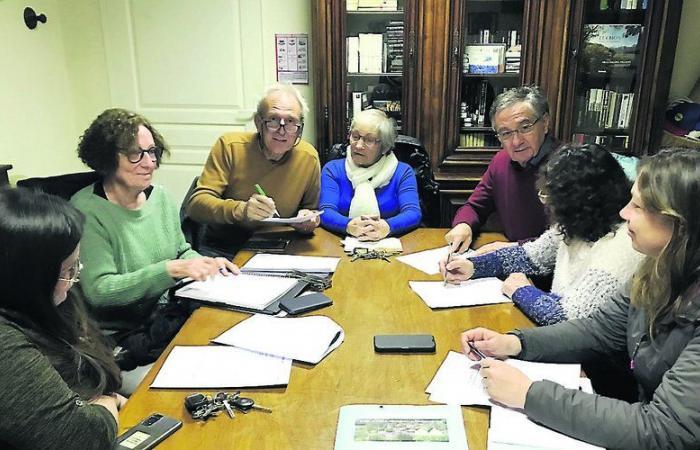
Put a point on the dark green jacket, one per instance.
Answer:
(667, 370)
(37, 408)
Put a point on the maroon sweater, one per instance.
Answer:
(509, 188)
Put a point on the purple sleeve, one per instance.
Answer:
(480, 204)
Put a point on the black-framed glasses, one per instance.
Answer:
(73, 272)
(288, 125)
(525, 128)
(369, 141)
(135, 156)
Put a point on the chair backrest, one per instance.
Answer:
(62, 185)
(412, 152)
(193, 230)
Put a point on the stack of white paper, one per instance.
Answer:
(483, 291)
(213, 367)
(387, 244)
(247, 291)
(428, 260)
(307, 339)
(458, 382)
(293, 219)
(265, 262)
(363, 427)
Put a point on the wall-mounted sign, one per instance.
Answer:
(292, 52)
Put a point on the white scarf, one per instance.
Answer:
(365, 180)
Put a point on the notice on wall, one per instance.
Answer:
(292, 58)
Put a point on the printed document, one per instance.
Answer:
(404, 427)
(428, 260)
(387, 244)
(483, 291)
(265, 262)
(307, 339)
(219, 366)
(247, 291)
(293, 219)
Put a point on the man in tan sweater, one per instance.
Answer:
(276, 158)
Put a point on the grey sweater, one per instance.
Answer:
(667, 415)
(37, 408)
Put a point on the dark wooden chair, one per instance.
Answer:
(193, 230)
(61, 185)
(412, 152)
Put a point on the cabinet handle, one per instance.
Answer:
(574, 53)
(455, 49)
(411, 46)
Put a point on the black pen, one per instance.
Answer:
(475, 350)
(444, 281)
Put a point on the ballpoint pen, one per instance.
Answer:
(260, 191)
(444, 281)
(475, 350)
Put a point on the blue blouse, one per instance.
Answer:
(398, 200)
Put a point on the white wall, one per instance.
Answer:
(686, 68)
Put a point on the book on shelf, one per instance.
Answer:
(393, 57)
(359, 102)
(610, 48)
(371, 50)
(353, 56)
(604, 109)
(377, 5)
(484, 58)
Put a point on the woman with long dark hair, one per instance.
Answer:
(656, 331)
(587, 249)
(57, 377)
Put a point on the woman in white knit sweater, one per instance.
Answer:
(588, 248)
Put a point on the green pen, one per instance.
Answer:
(260, 191)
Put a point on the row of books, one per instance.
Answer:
(372, 5)
(377, 52)
(617, 142)
(478, 140)
(623, 4)
(510, 38)
(491, 58)
(474, 107)
(605, 109)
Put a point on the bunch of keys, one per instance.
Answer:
(317, 283)
(366, 253)
(202, 406)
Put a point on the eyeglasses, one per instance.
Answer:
(542, 196)
(135, 156)
(289, 125)
(370, 142)
(73, 272)
(525, 128)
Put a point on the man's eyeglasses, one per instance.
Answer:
(525, 128)
(542, 196)
(289, 126)
(73, 272)
(370, 142)
(135, 156)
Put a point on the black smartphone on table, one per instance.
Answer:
(404, 343)
(265, 245)
(147, 434)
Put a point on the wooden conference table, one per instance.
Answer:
(369, 297)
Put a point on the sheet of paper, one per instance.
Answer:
(218, 366)
(483, 291)
(265, 262)
(457, 381)
(307, 339)
(428, 260)
(248, 291)
(388, 244)
(390, 427)
(293, 219)
(509, 426)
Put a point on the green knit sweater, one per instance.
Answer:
(124, 253)
(37, 408)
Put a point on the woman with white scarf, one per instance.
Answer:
(369, 194)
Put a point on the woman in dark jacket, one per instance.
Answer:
(657, 330)
(57, 378)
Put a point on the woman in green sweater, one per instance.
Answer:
(133, 248)
(57, 377)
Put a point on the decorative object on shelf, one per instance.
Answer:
(610, 47)
(31, 18)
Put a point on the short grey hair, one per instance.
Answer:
(383, 125)
(532, 95)
(286, 88)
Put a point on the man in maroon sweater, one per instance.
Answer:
(520, 118)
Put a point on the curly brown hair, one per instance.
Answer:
(112, 132)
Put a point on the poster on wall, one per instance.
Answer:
(292, 52)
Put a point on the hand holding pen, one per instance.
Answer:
(456, 269)
(260, 206)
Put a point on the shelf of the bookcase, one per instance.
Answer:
(476, 129)
(382, 74)
(492, 75)
(376, 12)
(604, 132)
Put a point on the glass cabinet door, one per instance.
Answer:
(607, 66)
(492, 35)
(374, 43)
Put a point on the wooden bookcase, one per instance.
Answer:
(434, 85)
